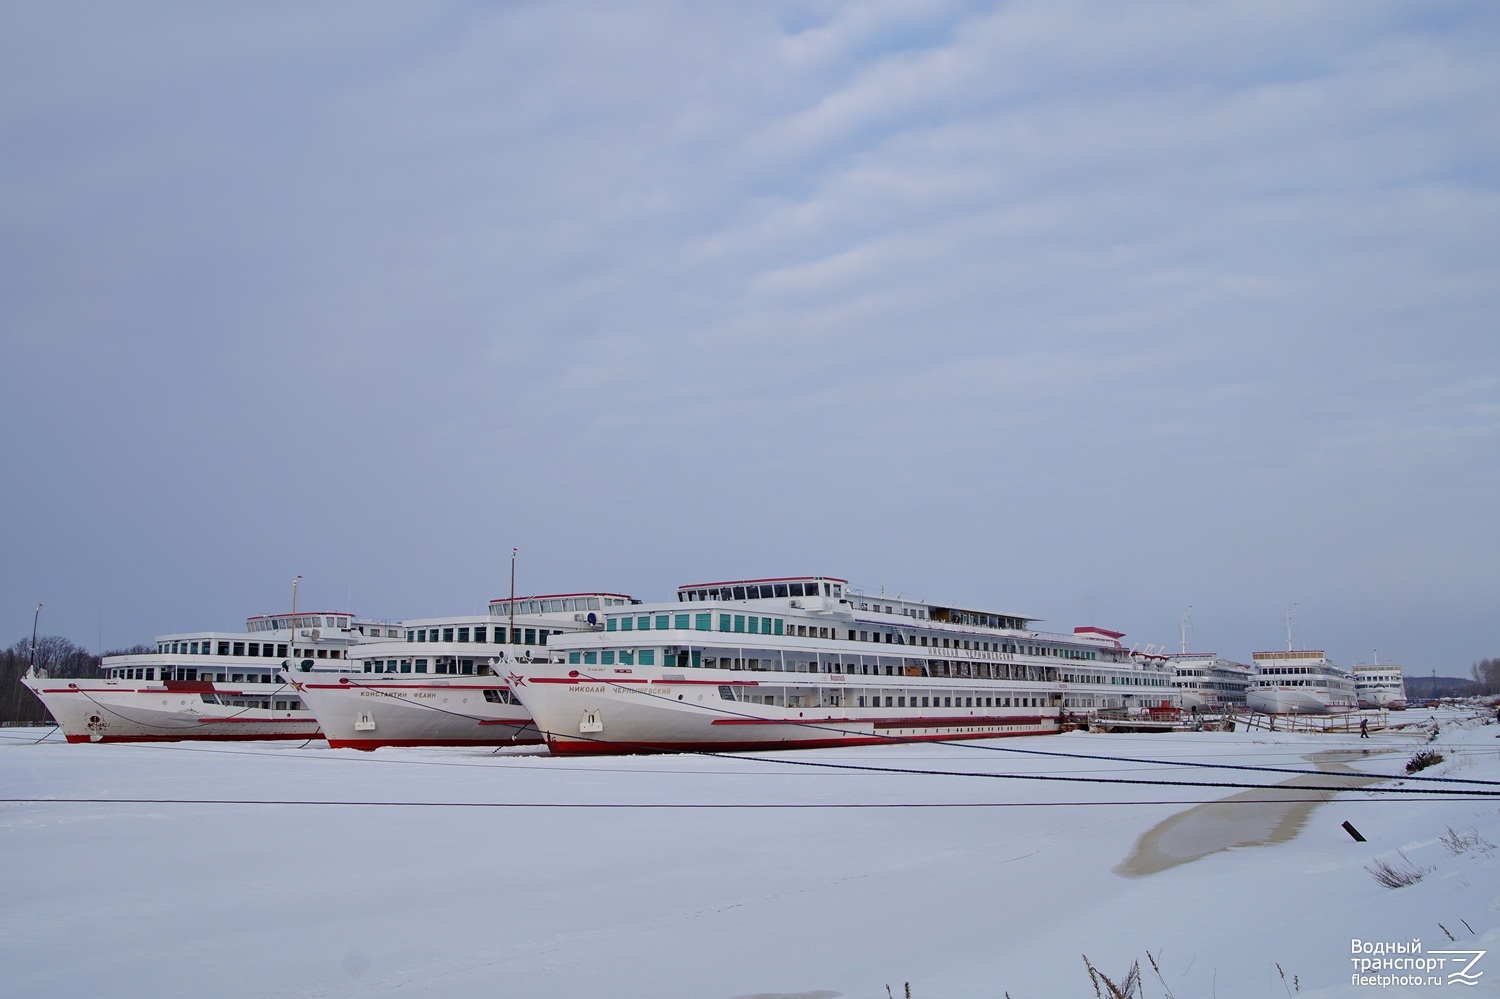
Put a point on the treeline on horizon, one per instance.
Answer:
(60, 658)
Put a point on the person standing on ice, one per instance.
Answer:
(1364, 728)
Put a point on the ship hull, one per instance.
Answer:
(125, 711)
(1299, 701)
(358, 712)
(651, 716)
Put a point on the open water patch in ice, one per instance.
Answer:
(1251, 818)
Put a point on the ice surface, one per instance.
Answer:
(715, 878)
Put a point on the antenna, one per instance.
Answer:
(1184, 626)
(1290, 613)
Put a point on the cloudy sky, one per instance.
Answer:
(1088, 311)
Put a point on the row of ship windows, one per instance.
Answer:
(883, 665)
(231, 701)
(763, 591)
(752, 625)
(553, 605)
(890, 701)
(460, 667)
(480, 633)
(167, 673)
(303, 621)
(255, 650)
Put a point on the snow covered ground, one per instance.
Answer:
(264, 869)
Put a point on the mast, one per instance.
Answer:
(510, 637)
(1290, 611)
(1184, 627)
(291, 637)
(34, 619)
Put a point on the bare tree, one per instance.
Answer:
(1486, 673)
(58, 656)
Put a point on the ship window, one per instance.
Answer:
(663, 622)
(541, 636)
(702, 622)
(648, 657)
(627, 624)
(573, 658)
(796, 589)
(607, 658)
(610, 625)
(755, 626)
(481, 633)
(530, 636)
(643, 623)
(627, 657)
(590, 658)
(901, 702)
(781, 589)
(463, 634)
(776, 624)
(739, 622)
(724, 622)
(681, 622)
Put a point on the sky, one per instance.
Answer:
(1084, 311)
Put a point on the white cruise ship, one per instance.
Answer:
(1380, 685)
(804, 661)
(1209, 683)
(441, 681)
(208, 684)
(1299, 682)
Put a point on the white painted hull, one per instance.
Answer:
(1198, 702)
(367, 711)
(90, 710)
(1299, 701)
(646, 713)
